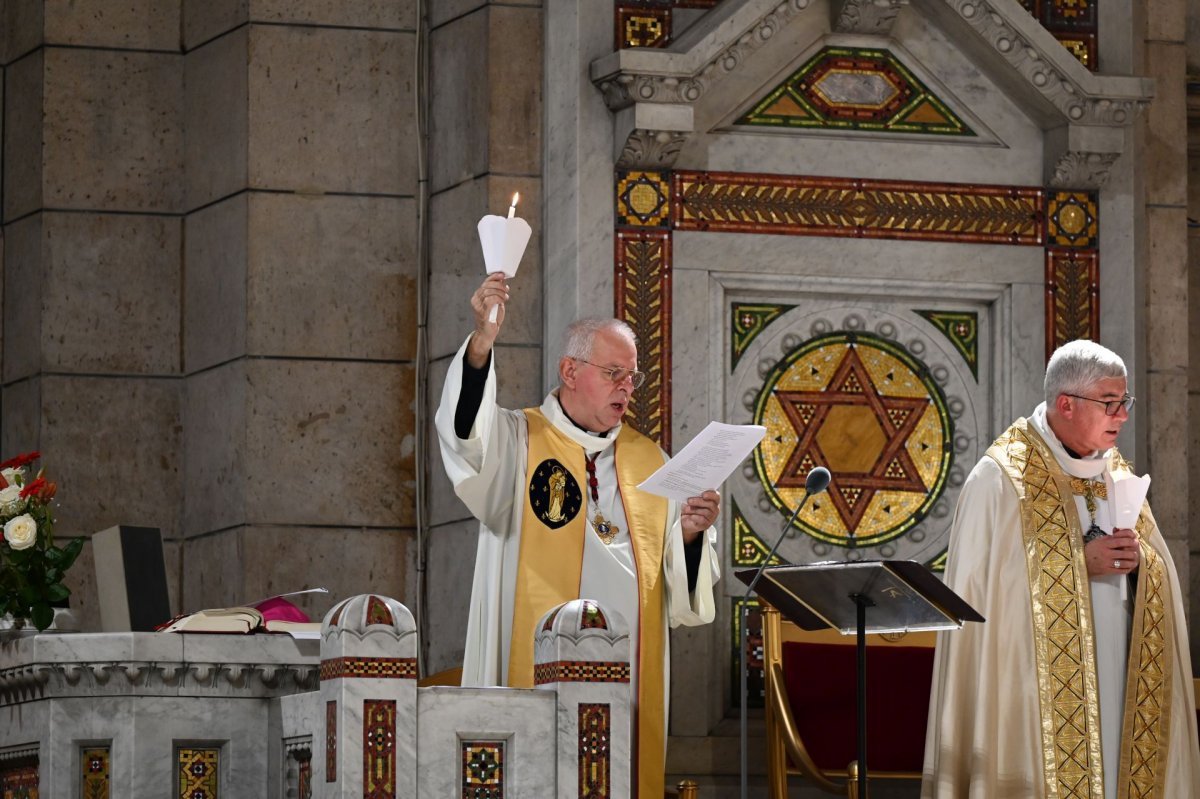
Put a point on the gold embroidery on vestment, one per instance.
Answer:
(1062, 619)
(1147, 725)
(1080, 486)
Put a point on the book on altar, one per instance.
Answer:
(273, 615)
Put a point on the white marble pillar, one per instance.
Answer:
(368, 700)
(581, 651)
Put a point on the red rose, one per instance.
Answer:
(33, 488)
(20, 460)
(48, 492)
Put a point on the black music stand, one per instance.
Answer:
(904, 595)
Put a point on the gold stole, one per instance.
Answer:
(1063, 634)
(551, 561)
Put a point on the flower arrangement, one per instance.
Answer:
(31, 566)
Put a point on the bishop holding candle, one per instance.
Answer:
(554, 488)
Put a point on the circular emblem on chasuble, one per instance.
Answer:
(865, 409)
(553, 494)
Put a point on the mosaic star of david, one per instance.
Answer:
(869, 410)
(868, 453)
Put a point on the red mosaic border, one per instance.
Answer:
(369, 668)
(1072, 296)
(580, 671)
(331, 741)
(738, 202)
(643, 300)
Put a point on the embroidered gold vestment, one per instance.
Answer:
(1015, 706)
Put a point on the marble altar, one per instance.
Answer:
(212, 715)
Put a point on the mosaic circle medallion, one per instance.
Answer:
(868, 411)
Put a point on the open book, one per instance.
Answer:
(274, 615)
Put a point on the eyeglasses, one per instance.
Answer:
(1110, 406)
(618, 374)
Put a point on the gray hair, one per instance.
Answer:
(581, 336)
(1077, 366)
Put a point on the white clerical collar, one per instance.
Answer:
(1091, 466)
(553, 410)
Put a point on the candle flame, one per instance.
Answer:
(516, 196)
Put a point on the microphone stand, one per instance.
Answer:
(745, 614)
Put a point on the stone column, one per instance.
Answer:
(92, 187)
(485, 142)
(581, 651)
(1193, 287)
(1166, 359)
(299, 299)
(368, 744)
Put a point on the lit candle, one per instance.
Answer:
(503, 241)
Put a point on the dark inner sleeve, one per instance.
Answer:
(691, 555)
(470, 397)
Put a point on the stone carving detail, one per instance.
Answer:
(24, 683)
(1078, 105)
(1083, 170)
(651, 149)
(866, 16)
(623, 89)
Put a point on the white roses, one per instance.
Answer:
(20, 531)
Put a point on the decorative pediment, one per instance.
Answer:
(843, 88)
(659, 94)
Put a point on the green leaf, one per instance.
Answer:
(41, 614)
(70, 552)
(57, 592)
(54, 556)
(53, 575)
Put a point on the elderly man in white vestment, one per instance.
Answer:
(561, 518)
(1079, 684)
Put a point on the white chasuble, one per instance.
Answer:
(1073, 687)
(489, 471)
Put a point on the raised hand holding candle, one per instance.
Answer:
(503, 241)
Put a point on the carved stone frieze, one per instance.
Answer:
(1083, 170)
(1117, 101)
(43, 680)
(873, 17)
(651, 149)
(623, 88)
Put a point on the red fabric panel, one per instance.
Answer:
(821, 686)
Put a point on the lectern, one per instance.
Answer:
(861, 597)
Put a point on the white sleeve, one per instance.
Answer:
(698, 607)
(480, 466)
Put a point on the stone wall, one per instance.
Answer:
(210, 231)
(485, 138)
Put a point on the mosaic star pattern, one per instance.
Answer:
(483, 769)
(199, 772)
(1072, 219)
(861, 407)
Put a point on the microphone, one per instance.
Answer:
(816, 482)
